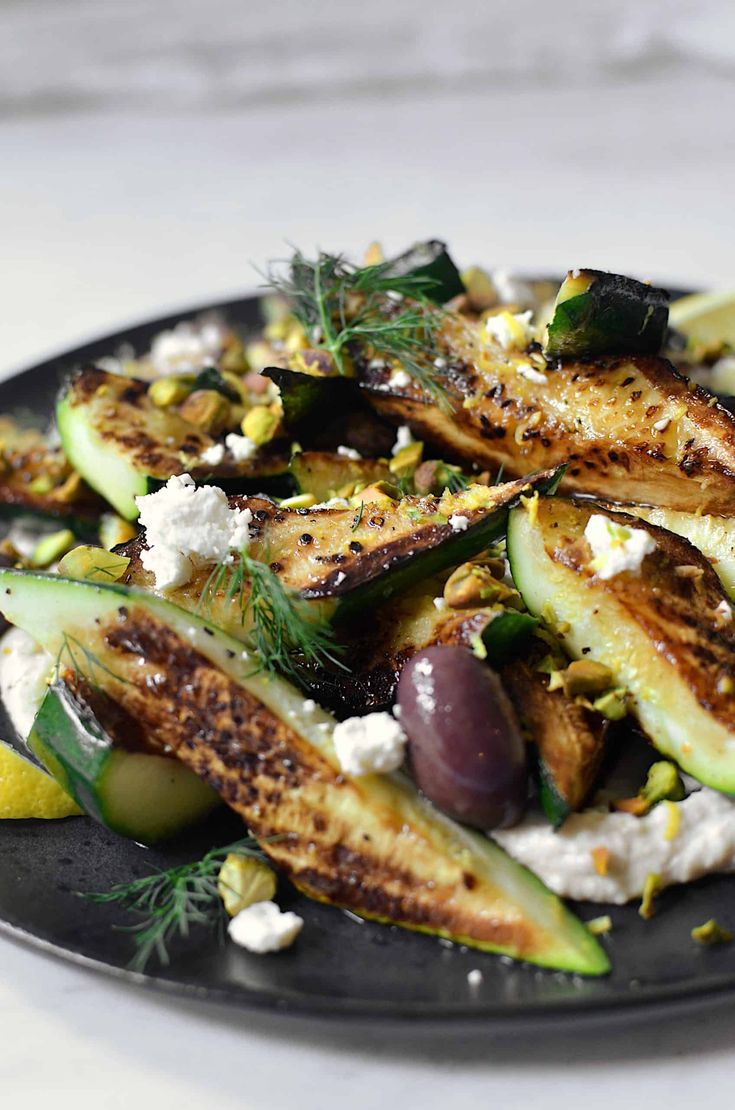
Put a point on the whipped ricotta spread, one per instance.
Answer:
(703, 842)
(24, 671)
(188, 526)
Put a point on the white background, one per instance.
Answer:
(150, 153)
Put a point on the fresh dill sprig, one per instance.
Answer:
(281, 636)
(83, 661)
(456, 481)
(388, 316)
(170, 902)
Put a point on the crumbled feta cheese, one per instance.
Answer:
(213, 455)
(440, 603)
(399, 379)
(187, 347)
(240, 447)
(263, 927)
(474, 977)
(459, 522)
(615, 547)
(440, 363)
(348, 453)
(333, 503)
(403, 439)
(24, 672)
(662, 424)
(723, 612)
(187, 527)
(373, 744)
(308, 706)
(394, 295)
(511, 331)
(531, 374)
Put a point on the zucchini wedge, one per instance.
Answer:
(372, 845)
(430, 260)
(659, 631)
(327, 475)
(713, 535)
(124, 446)
(353, 559)
(631, 428)
(97, 753)
(569, 738)
(606, 314)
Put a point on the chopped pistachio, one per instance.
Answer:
(260, 424)
(378, 492)
(473, 584)
(52, 547)
(662, 783)
(478, 646)
(208, 410)
(711, 933)
(405, 461)
(426, 478)
(299, 501)
(233, 359)
(243, 881)
(114, 530)
(583, 676)
(598, 926)
(651, 888)
(42, 484)
(613, 705)
(93, 564)
(170, 391)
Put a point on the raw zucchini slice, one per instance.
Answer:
(599, 314)
(124, 446)
(88, 744)
(666, 633)
(370, 844)
(631, 429)
(353, 559)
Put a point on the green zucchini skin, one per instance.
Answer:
(125, 447)
(144, 796)
(657, 631)
(305, 395)
(337, 838)
(611, 315)
(431, 260)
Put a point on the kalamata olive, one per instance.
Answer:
(465, 746)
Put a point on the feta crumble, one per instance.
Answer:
(615, 547)
(348, 453)
(187, 527)
(187, 347)
(240, 447)
(511, 331)
(403, 439)
(373, 744)
(399, 379)
(459, 522)
(213, 455)
(263, 927)
(662, 424)
(475, 977)
(723, 612)
(440, 603)
(531, 374)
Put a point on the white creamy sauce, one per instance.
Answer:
(24, 670)
(637, 846)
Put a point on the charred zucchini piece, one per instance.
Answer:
(326, 475)
(631, 429)
(371, 844)
(351, 560)
(570, 739)
(124, 446)
(430, 260)
(598, 314)
(666, 634)
(304, 395)
(97, 753)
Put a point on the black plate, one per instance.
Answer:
(340, 967)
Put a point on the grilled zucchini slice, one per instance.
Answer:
(327, 475)
(606, 314)
(372, 844)
(661, 632)
(124, 446)
(98, 754)
(352, 559)
(630, 428)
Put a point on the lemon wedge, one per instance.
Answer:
(707, 318)
(27, 791)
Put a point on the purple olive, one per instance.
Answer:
(465, 745)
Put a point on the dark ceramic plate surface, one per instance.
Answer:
(340, 968)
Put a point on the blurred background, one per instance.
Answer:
(153, 151)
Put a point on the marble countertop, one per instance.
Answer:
(111, 215)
